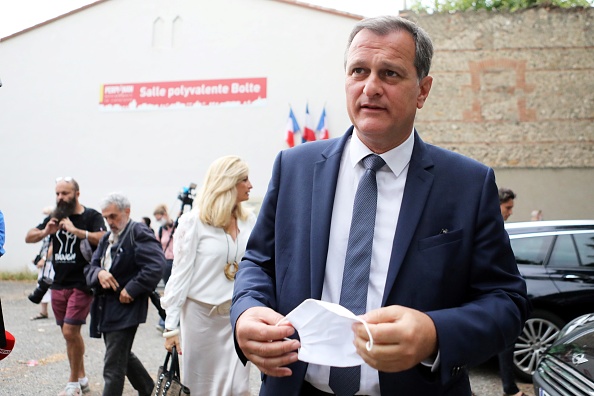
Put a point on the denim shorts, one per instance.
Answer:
(71, 306)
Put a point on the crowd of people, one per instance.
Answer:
(373, 221)
(110, 271)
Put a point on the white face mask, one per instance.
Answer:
(161, 222)
(325, 333)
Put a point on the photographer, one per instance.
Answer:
(68, 227)
(45, 278)
(166, 230)
(45, 274)
(165, 237)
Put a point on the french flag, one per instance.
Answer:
(308, 131)
(292, 128)
(322, 128)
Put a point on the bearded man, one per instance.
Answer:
(75, 230)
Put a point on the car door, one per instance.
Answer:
(531, 252)
(571, 267)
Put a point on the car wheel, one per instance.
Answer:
(539, 332)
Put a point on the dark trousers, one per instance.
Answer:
(506, 370)
(166, 275)
(167, 272)
(120, 362)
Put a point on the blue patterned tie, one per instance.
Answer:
(344, 381)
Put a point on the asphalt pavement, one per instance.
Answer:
(38, 364)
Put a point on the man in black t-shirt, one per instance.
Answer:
(75, 230)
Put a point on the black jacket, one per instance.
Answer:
(137, 265)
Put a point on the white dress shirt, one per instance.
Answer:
(391, 179)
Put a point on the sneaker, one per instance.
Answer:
(72, 389)
(85, 389)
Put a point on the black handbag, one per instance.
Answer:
(168, 383)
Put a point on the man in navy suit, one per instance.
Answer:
(444, 290)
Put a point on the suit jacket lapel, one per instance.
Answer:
(325, 179)
(418, 185)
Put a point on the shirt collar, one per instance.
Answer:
(397, 159)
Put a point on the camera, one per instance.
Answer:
(42, 285)
(187, 195)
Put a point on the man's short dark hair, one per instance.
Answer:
(505, 195)
(385, 25)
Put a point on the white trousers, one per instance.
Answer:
(210, 365)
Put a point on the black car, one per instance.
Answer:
(567, 367)
(557, 260)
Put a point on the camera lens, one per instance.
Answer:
(42, 286)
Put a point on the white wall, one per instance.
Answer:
(51, 124)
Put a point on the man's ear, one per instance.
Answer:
(424, 88)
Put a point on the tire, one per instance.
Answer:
(539, 332)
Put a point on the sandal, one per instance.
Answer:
(39, 316)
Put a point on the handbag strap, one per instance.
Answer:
(173, 227)
(166, 363)
(174, 369)
(171, 371)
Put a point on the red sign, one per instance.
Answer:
(183, 94)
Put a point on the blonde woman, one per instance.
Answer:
(208, 244)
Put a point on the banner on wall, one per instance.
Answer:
(183, 94)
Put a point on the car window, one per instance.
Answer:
(585, 246)
(531, 250)
(564, 253)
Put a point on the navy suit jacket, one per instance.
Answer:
(465, 278)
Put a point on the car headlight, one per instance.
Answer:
(574, 324)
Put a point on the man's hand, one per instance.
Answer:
(125, 298)
(66, 225)
(107, 281)
(40, 263)
(263, 342)
(52, 226)
(402, 338)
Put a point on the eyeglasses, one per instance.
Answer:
(67, 179)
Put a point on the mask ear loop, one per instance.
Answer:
(283, 320)
(368, 344)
